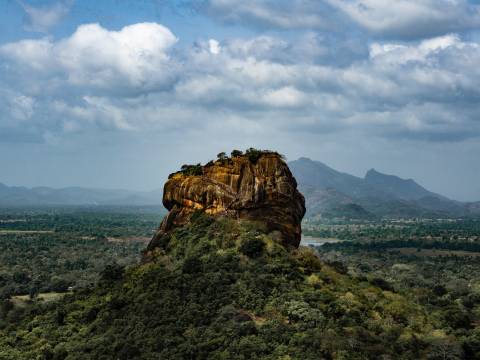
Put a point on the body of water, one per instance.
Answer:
(317, 241)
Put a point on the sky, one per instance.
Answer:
(120, 93)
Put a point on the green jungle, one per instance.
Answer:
(73, 286)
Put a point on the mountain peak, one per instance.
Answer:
(406, 189)
(372, 172)
(304, 159)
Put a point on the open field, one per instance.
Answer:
(22, 300)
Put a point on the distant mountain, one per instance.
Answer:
(331, 193)
(394, 186)
(328, 193)
(319, 176)
(45, 196)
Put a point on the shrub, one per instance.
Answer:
(192, 170)
(253, 154)
(221, 156)
(252, 248)
(382, 284)
(192, 265)
(112, 272)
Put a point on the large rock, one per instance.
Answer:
(261, 189)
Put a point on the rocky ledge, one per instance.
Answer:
(257, 185)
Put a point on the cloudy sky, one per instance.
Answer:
(119, 93)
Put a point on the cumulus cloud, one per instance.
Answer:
(41, 19)
(137, 80)
(407, 19)
(423, 90)
(411, 18)
(134, 58)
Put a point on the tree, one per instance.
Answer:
(222, 156)
(112, 272)
(252, 247)
(33, 292)
(254, 154)
(445, 349)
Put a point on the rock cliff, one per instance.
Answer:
(259, 187)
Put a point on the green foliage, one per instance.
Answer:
(224, 289)
(50, 250)
(202, 298)
(434, 263)
(222, 156)
(254, 154)
(252, 247)
(112, 272)
(192, 170)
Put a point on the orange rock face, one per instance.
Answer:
(262, 191)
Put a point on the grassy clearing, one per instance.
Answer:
(22, 300)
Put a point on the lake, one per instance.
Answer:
(317, 241)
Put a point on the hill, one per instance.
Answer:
(223, 289)
(44, 196)
(224, 278)
(330, 193)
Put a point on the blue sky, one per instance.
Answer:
(119, 93)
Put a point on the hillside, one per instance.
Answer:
(223, 289)
(224, 278)
(330, 193)
(391, 185)
(15, 196)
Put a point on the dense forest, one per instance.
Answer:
(220, 289)
(53, 250)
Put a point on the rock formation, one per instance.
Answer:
(257, 186)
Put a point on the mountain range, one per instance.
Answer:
(45, 196)
(328, 192)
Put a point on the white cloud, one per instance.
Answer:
(411, 19)
(133, 80)
(22, 107)
(36, 54)
(285, 97)
(41, 19)
(16, 107)
(400, 54)
(132, 59)
(214, 46)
